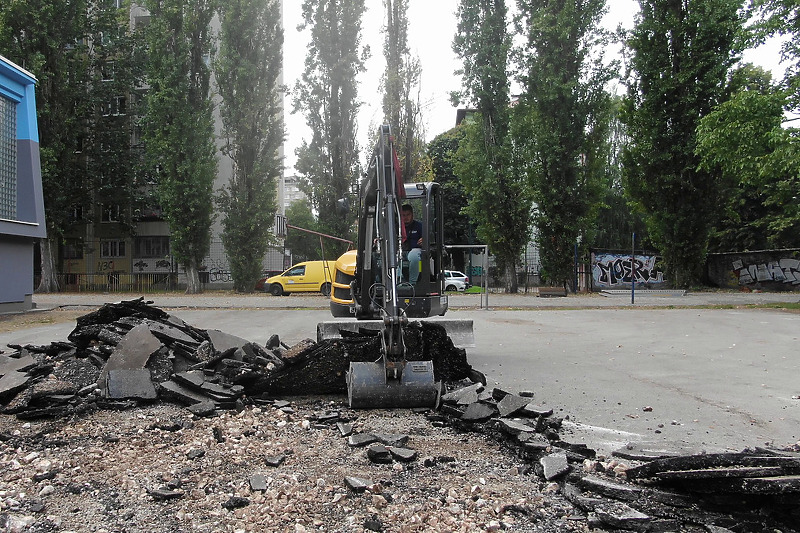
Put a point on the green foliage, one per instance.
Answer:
(48, 39)
(743, 141)
(179, 129)
(458, 228)
(248, 71)
(499, 201)
(86, 64)
(327, 95)
(562, 125)
(116, 68)
(304, 246)
(681, 56)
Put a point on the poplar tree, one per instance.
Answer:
(327, 94)
(179, 128)
(563, 124)
(499, 201)
(400, 79)
(681, 55)
(248, 70)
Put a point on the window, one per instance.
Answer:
(76, 214)
(297, 271)
(117, 106)
(72, 249)
(107, 71)
(110, 249)
(110, 213)
(151, 247)
(8, 159)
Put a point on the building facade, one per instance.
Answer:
(22, 215)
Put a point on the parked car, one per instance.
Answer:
(454, 284)
(455, 275)
(308, 276)
(261, 285)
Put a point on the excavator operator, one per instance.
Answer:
(412, 242)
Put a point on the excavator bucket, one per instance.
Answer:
(369, 387)
(459, 331)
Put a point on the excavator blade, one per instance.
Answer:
(369, 388)
(459, 331)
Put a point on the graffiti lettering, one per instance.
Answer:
(215, 274)
(785, 270)
(612, 270)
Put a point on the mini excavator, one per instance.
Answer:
(371, 284)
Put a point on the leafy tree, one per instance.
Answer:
(682, 52)
(563, 124)
(327, 94)
(458, 227)
(304, 246)
(400, 79)
(84, 59)
(179, 129)
(248, 72)
(499, 201)
(743, 140)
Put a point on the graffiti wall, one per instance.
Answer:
(615, 270)
(771, 270)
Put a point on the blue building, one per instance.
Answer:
(21, 200)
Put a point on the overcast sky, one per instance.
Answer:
(432, 25)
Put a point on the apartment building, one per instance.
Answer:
(100, 254)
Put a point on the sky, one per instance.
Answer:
(432, 25)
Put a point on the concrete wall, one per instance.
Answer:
(773, 270)
(614, 270)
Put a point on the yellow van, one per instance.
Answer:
(308, 276)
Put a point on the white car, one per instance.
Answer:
(454, 284)
(455, 275)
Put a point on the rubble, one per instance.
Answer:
(665, 491)
(129, 352)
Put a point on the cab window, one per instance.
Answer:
(296, 271)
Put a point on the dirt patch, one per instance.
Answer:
(19, 321)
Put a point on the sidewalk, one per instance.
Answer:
(230, 300)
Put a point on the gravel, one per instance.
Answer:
(157, 468)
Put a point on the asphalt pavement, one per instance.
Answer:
(530, 300)
(700, 372)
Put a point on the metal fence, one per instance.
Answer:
(118, 282)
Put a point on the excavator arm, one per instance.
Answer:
(390, 381)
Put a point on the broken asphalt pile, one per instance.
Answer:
(131, 353)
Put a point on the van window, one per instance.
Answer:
(296, 271)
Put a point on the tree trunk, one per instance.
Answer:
(192, 279)
(511, 278)
(49, 281)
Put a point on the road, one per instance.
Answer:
(665, 372)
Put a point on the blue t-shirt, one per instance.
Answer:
(413, 235)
